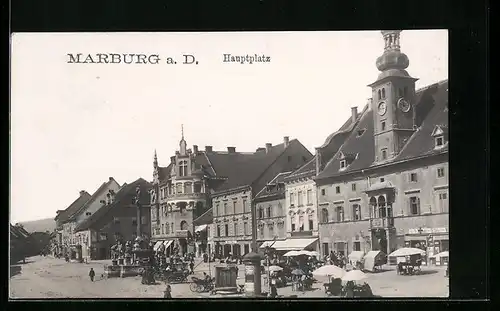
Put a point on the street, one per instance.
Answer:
(47, 277)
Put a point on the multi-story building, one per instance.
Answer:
(77, 244)
(233, 199)
(301, 208)
(387, 185)
(270, 204)
(118, 219)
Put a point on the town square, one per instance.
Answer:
(363, 215)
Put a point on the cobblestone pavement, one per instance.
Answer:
(46, 277)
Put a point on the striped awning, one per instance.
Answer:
(167, 243)
(158, 243)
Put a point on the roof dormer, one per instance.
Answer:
(346, 159)
(440, 134)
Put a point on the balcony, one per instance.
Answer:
(381, 223)
(301, 233)
(182, 196)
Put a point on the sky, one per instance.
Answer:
(75, 125)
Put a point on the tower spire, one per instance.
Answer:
(182, 131)
(155, 160)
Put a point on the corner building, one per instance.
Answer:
(387, 185)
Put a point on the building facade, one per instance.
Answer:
(117, 220)
(231, 231)
(387, 186)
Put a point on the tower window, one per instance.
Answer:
(360, 132)
(342, 164)
(183, 168)
(379, 95)
(384, 154)
(383, 125)
(439, 141)
(413, 177)
(383, 93)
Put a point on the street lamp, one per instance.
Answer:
(139, 212)
(267, 253)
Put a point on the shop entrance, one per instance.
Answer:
(227, 250)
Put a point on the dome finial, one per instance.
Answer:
(392, 61)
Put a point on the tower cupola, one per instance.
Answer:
(392, 62)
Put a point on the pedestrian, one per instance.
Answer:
(168, 292)
(191, 266)
(92, 274)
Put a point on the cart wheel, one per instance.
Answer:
(200, 288)
(193, 287)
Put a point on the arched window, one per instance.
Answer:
(184, 225)
(373, 207)
(182, 168)
(324, 215)
(379, 95)
(381, 206)
(383, 93)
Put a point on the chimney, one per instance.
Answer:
(195, 149)
(82, 192)
(231, 149)
(286, 141)
(268, 147)
(318, 161)
(354, 114)
(111, 178)
(172, 159)
(208, 148)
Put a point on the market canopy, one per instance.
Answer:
(406, 251)
(200, 228)
(157, 245)
(293, 244)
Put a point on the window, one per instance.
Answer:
(414, 206)
(324, 215)
(337, 189)
(261, 212)
(234, 207)
(382, 126)
(311, 224)
(245, 228)
(188, 187)
(301, 223)
(261, 230)
(244, 206)
(271, 231)
(292, 225)
(360, 133)
(356, 246)
(226, 229)
(162, 228)
(325, 249)
(103, 236)
(356, 212)
(440, 172)
(309, 197)
(353, 187)
(218, 230)
(323, 191)
(300, 198)
(268, 211)
(172, 227)
(382, 179)
(439, 141)
(384, 154)
(225, 208)
(144, 220)
(379, 94)
(183, 168)
(443, 202)
(383, 93)
(178, 188)
(292, 199)
(342, 164)
(134, 221)
(340, 213)
(88, 213)
(197, 187)
(167, 229)
(280, 210)
(413, 177)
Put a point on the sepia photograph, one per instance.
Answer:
(205, 165)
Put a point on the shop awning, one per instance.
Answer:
(167, 243)
(200, 228)
(293, 244)
(267, 243)
(157, 244)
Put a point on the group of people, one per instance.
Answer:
(335, 258)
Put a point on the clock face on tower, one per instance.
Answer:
(404, 105)
(382, 108)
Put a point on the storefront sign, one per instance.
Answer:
(427, 230)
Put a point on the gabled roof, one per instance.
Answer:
(123, 197)
(272, 190)
(307, 170)
(75, 206)
(431, 109)
(18, 232)
(92, 199)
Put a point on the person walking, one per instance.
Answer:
(92, 274)
(168, 292)
(191, 266)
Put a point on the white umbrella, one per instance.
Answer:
(443, 254)
(275, 268)
(291, 254)
(354, 275)
(406, 251)
(329, 270)
(314, 253)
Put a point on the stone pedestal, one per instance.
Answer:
(252, 274)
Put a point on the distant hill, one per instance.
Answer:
(40, 225)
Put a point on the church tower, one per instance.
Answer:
(393, 97)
